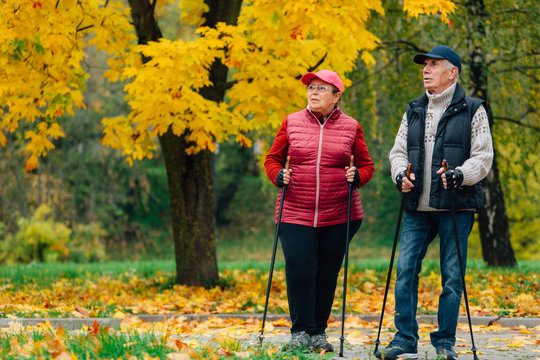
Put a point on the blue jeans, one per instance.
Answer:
(419, 230)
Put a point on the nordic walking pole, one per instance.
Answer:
(461, 269)
(342, 338)
(261, 337)
(398, 227)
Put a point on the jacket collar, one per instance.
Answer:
(318, 116)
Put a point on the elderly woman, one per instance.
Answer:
(320, 140)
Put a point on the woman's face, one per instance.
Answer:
(322, 101)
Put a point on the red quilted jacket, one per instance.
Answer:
(317, 193)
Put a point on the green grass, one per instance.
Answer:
(44, 274)
(128, 345)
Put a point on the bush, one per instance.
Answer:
(86, 243)
(38, 239)
(42, 239)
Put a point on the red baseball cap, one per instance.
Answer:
(326, 76)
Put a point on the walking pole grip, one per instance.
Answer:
(390, 266)
(342, 338)
(461, 268)
(269, 285)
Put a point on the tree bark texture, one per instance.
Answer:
(192, 211)
(190, 176)
(492, 218)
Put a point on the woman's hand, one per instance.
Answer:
(287, 176)
(350, 172)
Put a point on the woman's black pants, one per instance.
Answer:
(313, 258)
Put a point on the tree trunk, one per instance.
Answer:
(192, 211)
(492, 218)
(190, 176)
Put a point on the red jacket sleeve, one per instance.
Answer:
(362, 160)
(276, 158)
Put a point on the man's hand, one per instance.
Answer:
(452, 178)
(403, 183)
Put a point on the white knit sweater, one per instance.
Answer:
(474, 169)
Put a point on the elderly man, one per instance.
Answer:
(442, 124)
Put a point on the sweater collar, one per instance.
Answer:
(443, 99)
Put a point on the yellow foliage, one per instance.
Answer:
(273, 43)
(42, 48)
(192, 11)
(415, 8)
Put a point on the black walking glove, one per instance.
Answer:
(279, 179)
(399, 179)
(356, 180)
(454, 178)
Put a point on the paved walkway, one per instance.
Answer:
(514, 338)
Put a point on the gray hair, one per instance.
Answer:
(449, 66)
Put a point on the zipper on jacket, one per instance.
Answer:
(318, 176)
(319, 152)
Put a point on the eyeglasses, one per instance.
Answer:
(318, 88)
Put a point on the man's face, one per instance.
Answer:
(322, 101)
(438, 76)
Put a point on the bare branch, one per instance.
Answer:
(230, 84)
(518, 68)
(407, 43)
(318, 63)
(514, 58)
(531, 110)
(517, 122)
(85, 28)
(310, 69)
(534, 78)
(513, 10)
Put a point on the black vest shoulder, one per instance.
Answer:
(452, 142)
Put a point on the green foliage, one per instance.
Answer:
(86, 244)
(42, 239)
(38, 239)
(233, 163)
(88, 186)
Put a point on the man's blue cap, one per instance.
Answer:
(440, 52)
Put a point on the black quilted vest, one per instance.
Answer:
(452, 142)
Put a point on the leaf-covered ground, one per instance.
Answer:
(228, 338)
(129, 293)
(490, 293)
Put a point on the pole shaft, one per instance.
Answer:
(269, 285)
(346, 266)
(390, 266)
(462, 272)
(461, 268)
